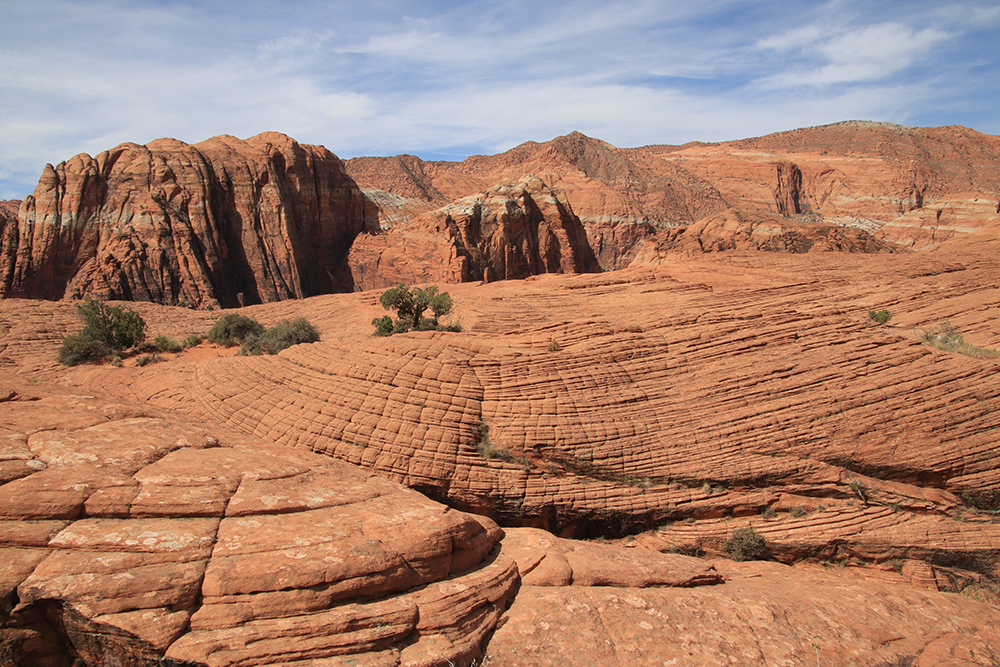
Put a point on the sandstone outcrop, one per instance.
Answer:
(515, 229)
(223, 222)
(753, 230)
(129, 537)
(620, 199)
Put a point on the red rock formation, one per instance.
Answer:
(765, 614)
(513, 230)
(753, 230)
(858, 175)
(621, 199)
(221, 222)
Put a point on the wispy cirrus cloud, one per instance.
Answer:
(854, 55)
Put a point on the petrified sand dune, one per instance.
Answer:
(128, 536)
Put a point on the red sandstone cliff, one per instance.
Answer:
(221, 222)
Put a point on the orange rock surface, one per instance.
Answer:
(127, 535)
(729, 378)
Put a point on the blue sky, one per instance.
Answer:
(444, 80)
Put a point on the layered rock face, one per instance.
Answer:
(620, 199)
(513, 230)
(134, 536)
(223, 222)
(852, 174)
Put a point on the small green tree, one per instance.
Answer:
(116, 326)
(410, 305)
(440, 304)
(400, 299)
(880, 316)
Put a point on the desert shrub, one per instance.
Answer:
(116, 326)
(286, 333)
(252, 346)
(383, 325)
(233, 328)
(165, 344)
(745, 544)
(554, 346)
(945, 337)
(880, 316)
(194, 340)
(81, 348)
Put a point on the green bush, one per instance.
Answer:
(164, 344)
(286, 333)
(880, 316)
(81, 348)
(116, 326)
(383, 325)
(232, 329)
(746, 544)
(194, 340)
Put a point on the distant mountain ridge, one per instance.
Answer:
(231, 221)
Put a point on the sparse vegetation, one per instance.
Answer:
(81, 348)
(880, 316)
(144, 359)
(490, 450)
(746, 544)
(944, 337)
(232, 329)
(410, 305)
(554, 346)
(106, 329)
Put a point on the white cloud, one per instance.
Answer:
(868, 53)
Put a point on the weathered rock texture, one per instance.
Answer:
(753, 230)
(513, 230)
(221, 222)
(681, 403)
(765, 614)
(127, 535)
